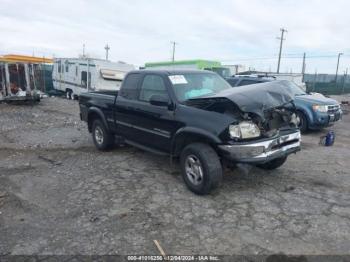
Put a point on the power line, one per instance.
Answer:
(274, 57)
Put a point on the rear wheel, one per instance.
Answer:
(69, 94)
(103, 140)
(201, 168)
(303, 124)
(273, 164)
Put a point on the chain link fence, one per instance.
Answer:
(327, 84)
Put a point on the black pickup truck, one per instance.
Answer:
(197, 117)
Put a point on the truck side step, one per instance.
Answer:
(146, 148)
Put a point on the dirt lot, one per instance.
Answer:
(59, 195)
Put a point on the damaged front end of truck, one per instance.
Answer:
(264, 123)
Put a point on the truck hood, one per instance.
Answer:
(256, 98)
(316, 99)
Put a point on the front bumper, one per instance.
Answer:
(325, 119)
(262, 151)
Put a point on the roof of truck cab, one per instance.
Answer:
(171, 71)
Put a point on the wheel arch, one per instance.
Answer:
(95, 113)
(188, 135)
(306, 111)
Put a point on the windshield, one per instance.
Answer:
(193, 85)
(297, 91)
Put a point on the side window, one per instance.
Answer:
(152, 85)
(67, 66)
(247, 82)
(84, 79)
(76, 70)
(130, 85)
(59, 67)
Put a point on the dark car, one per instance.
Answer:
(247, 80)
(314, 110)
(197, 117)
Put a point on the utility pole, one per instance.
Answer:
(314, 83)
(43, 73)
(281, 43)
(303, 68)
(107, 49)
(83, 50)
(336, 72)
(344, 79)
(174, 44)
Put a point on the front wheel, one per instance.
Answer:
(201, 168)
(273, 164)
(103, 140)
(303, 124)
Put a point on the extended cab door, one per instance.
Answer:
(155, 124)
(138, 120)
(125, 106)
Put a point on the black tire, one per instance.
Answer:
(37, 99)
(210, 167)
(69, 94)
(303, 125)
(103, 140)
(273, 164)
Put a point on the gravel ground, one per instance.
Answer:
(59, 195)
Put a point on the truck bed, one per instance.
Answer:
(105, 92)
(90, 96)
(99, 99)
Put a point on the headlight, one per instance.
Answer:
(295, 119)
(244, 130)
(320, 108)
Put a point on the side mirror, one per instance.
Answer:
(159, 100)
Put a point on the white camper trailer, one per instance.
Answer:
(79, 75)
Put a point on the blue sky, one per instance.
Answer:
(237, 32)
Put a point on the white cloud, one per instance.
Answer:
(141, 31)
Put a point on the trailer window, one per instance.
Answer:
(114, 75)
(76, 70)
(84, 79)
(59, 69)
(67, 66)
